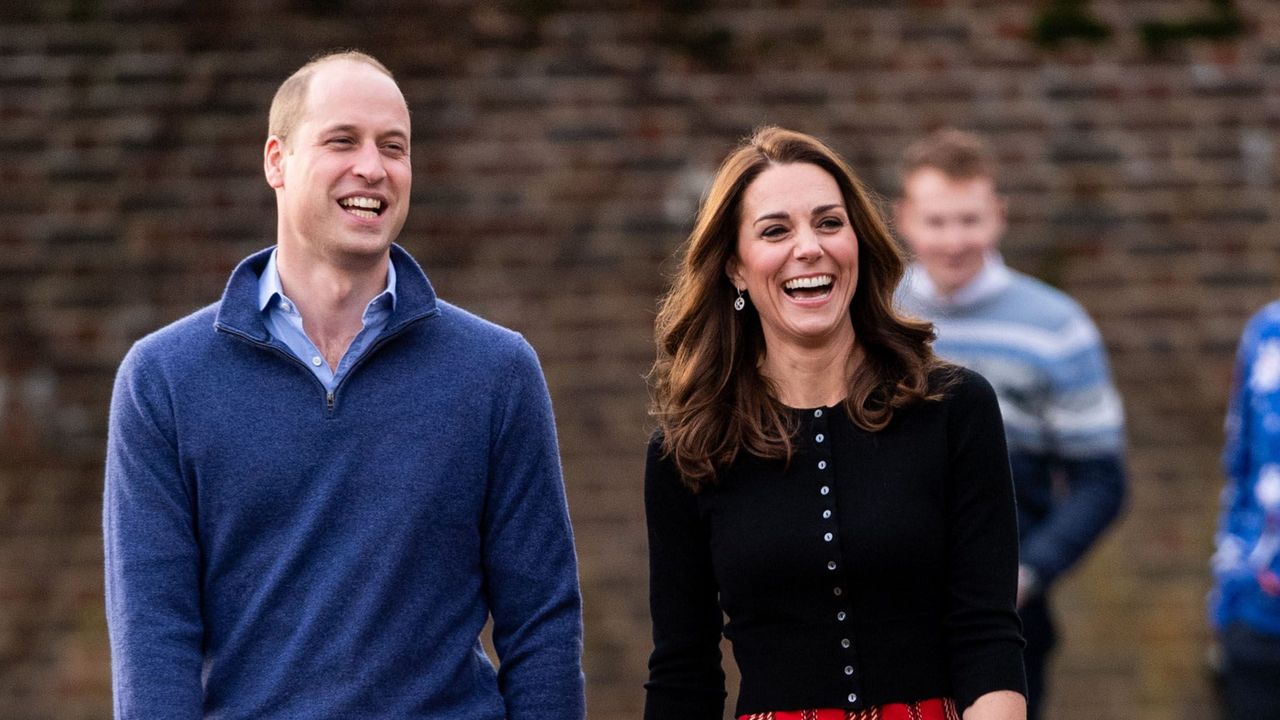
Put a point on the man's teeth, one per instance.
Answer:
(364, 207)
(808, 282)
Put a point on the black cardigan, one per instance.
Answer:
(873, 568)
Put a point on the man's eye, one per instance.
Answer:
(341, 141)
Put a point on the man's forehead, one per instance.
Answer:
(933, 182)
(350, 93)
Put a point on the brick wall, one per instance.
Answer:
(559, 149)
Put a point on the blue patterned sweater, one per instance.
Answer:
(1246, 565)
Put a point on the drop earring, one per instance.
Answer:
(740, 302)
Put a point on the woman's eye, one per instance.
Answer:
(774, 231)
(831, 223)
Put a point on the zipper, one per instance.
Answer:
(330, 396)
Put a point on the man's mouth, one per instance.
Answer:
(360, 206)
(813, 287)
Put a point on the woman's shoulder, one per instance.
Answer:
(959, 388)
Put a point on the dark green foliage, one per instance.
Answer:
(1066, 20)
(1222, 23)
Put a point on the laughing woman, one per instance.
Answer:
(819, 477)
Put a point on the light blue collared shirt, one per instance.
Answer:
(285, 324)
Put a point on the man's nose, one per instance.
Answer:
(368, 163)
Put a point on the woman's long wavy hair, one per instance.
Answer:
(709, 398)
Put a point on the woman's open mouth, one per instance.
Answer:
(814, 287)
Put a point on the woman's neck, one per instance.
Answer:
(806, 377)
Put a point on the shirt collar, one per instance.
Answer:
(993, 278)
(269, 286)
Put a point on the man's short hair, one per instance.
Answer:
(290, 101)
(957, 154)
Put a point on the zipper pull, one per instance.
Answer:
(328, 399)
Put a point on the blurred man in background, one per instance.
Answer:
(1245, 603)
(1040, 351)
(320, 488)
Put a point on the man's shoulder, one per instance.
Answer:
(1037, 302)
(484, 344)
(471, 327)
(181, 339)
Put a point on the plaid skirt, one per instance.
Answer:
(933, 709)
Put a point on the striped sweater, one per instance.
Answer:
(1062, 414)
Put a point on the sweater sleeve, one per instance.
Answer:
(530, 565)
(686, 680)
(983, 632)
(1084, 417)
(152, 556)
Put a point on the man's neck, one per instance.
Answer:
(330, 299)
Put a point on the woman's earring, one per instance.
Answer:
(740, 302)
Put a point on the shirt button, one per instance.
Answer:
(837, 591)
(845, 643)
(286, 307)
(841, 616)
(817, 413)
(853, 697)
(831, 564)
(825, 489)
(848, 669)
(820, 437)
(827, 537)
(316, 361)
(822, 464)
(826, 514)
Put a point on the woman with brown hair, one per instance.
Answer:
(819, 477)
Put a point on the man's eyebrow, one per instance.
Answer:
(349, 128)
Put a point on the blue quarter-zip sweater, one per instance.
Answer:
(274, 550)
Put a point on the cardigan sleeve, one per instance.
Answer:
(152, 556)
(983, 631)
(531, 572)
(686, 680)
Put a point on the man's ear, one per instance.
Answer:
(273, 161)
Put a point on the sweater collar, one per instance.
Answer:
(239, 311)
(990, 281)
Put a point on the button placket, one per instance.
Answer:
(833, 562)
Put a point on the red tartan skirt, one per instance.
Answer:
(933, 709)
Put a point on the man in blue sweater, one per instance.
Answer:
(321, 487)
(1041, 353)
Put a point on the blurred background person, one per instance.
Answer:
(820, 477)
(1041, 352)
(1245, 602)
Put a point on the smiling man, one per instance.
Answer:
(321, 487)
(1041, 353)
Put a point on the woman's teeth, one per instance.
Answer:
(808, 287)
